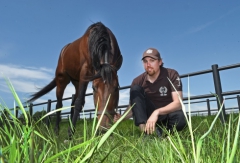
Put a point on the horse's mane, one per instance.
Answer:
(99, 46)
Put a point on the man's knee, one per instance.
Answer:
(178, 119)
(136, 93)
(181, 124)
(136, 88)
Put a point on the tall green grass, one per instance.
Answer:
(196, 149)
(20, 142)
(205, 139)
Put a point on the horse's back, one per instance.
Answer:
(73, 56)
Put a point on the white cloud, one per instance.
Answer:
(25, 80)
(200, 27)
(19, 72)
(3, 87)
(24, 86)
(124, 97)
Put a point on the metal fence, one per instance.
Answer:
(208, 97)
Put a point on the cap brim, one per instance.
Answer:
(150, 57)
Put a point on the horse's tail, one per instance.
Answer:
(99, 45)
(43, 91)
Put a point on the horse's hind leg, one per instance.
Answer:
(62, 82)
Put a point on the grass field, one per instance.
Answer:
(37, 143)
(204, 140)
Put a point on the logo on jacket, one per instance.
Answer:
(163, 91)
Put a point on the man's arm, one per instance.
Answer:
(173, 106)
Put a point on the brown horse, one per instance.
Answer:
(93, 57)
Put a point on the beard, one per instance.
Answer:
(151, 72)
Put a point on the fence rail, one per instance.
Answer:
(218, 90)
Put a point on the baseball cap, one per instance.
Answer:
(151, 52)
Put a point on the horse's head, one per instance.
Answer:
(107, 87)
(106, 60)
(101, 93)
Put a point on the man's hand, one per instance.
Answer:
(116, 117)
(151, 122)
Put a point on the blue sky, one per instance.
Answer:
(190, 35)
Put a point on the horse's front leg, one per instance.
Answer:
(58, 117)
(78, 106)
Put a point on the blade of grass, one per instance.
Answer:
(188, 118)
(17, 99)
(95, 119)
(51, 112)
(175, 148)
(235, 143)
(100, 119)
(228, 137)
(84, 127)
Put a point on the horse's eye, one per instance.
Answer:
(94, 89)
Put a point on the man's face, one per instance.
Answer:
(151, 66)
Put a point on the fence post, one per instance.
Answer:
(48, 118)
(90, 115)
(238, 99)
(73, 95)
(16, 112)
(208, 107)
(218, 90)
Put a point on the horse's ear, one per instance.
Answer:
(118, 62)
